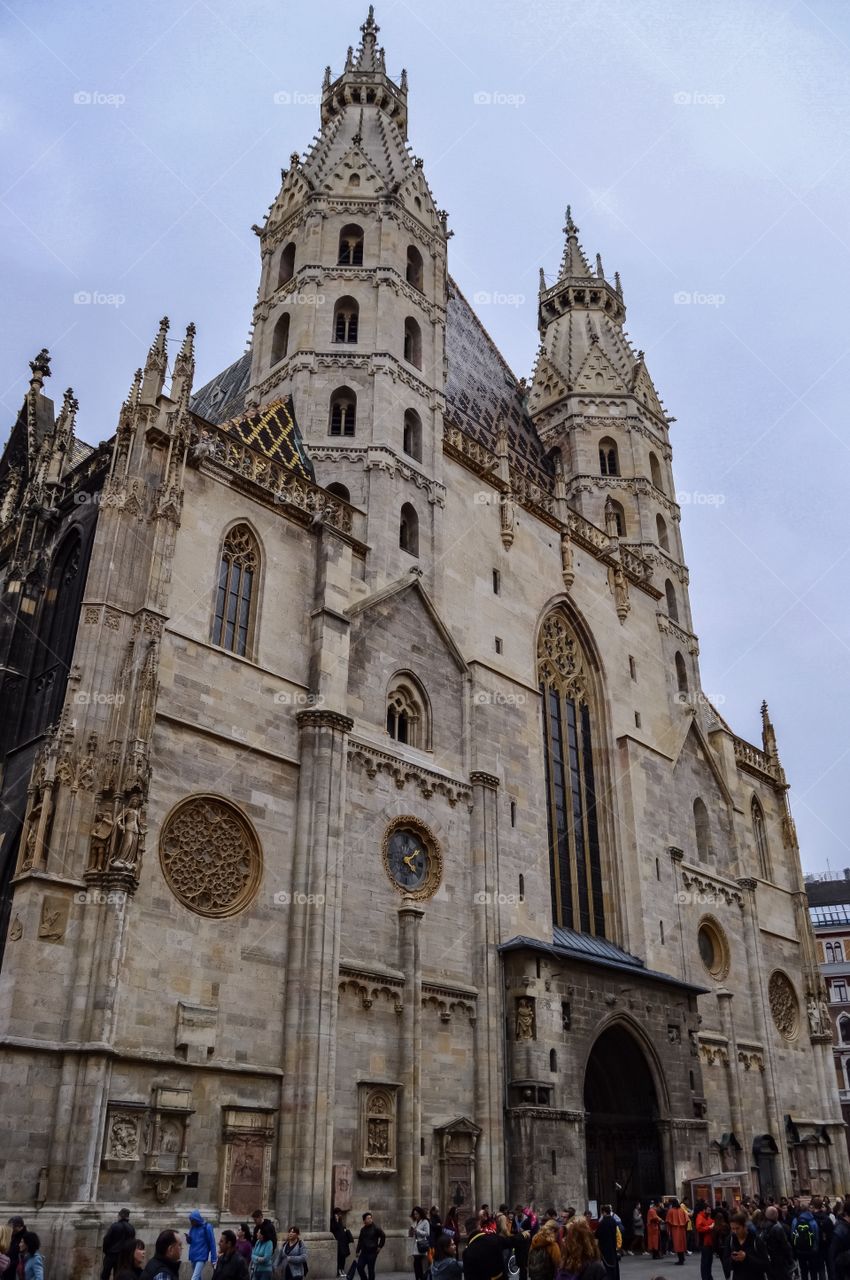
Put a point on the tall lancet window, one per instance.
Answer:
(575, 860)
(235, 604)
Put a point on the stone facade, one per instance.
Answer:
(829, 908)
(359, 796)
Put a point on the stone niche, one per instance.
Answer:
(376, 1138)
(456, 1144)
(124, 1138)
(246, 1171)
(167, 1154)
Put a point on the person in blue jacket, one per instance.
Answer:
(201, 1241)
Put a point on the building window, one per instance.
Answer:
(553, 1060)
(839, 991)
(513, 816)
(339, 491)
(760, 836)
(522, 888)
(235, 604)
(702, 830)
(499, 644)
(412, 343)
(497, 582)
(407, 717)
(280, 338)
(655, 472)
(351, 246)
(844, 1029)
(681, 676)
(414, 268)
(672, 606)
(661, 531)
(413, 434)
(408, 530)
(346, 315)
(637, 719)
(343, 412)
(632, 668)
(609, 462)
(286, 269)
(567, 700)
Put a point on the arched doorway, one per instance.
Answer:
(624, 1156)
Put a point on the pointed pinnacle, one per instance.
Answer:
(70, 403)
(40, 367)
(570, 229)
(599, 271)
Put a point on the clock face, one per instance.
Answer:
(408, 859)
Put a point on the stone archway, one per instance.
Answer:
(625, 1160)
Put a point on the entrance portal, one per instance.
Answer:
(624, 1160)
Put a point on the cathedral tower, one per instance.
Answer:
(350, 318)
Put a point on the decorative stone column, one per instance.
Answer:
(305, 1144)
(489, 1027)
(410, 915)
(733, 1068)
(764, 1028)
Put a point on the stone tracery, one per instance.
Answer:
(210, 856)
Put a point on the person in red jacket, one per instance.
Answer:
(653, 1230)
(704, 1226)
(677, 1226)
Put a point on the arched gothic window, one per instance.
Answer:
(408, 530)
(663, 536)
(575, 858)
(413, 434)
(681, 676)
(351, 246)
(59, 618)
(672, 606)
(346, 315)
(760, 835)
(287, 265)
(844, 1028)
(655, 471)
(343, 412)
(609, 462)
(407, 716)
(702, 830)
(414, 267)
(339, 491)
(280, 338)
(236, 596)
(412, 342)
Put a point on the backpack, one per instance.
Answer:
(803, 1238)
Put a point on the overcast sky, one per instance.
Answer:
(705, 148)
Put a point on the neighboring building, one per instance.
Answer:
(829, 908)
(368, 839)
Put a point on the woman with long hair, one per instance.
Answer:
(445, 1265)
(130, 1262)
(5, 1245)
(420, 1240)
(580, 1256)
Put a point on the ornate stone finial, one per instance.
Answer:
(600, 273)
(326, 82)
(542, 281)
(402, 84)
(70, 405)
(570, 227)
(184, 367)
(40, 367)
(349, 59)
(617, 284)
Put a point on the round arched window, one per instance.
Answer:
(713, 948)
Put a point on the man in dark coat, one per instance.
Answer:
(780, 1255)
(606, 1238)
(231, 1265)
(165, 1263)
(115, 1240)
(370, 1242)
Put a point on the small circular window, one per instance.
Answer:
(713, 950)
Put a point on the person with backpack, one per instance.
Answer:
(544, 1257)
(805, 1239)
(826, 1227)
(201, 1241)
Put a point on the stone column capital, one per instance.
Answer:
(319, 718)
(479, 778)
(678, 855)
(411, 907)
(746, 882)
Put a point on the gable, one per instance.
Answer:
(354, 171)
(598, 374)
(696, 774)
(644, 389)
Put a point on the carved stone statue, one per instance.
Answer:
(524, 1019)
(814, 1016)
(101, 833)
(31, 841)
(126, 835)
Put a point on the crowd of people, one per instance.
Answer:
(788, 1239)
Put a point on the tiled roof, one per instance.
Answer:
(482, 393)
(223, 397)
(272, 431)
(599, 951)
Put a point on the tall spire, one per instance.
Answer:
(573, 263)
(768, 742)
(364, 81)
(155, 365)
(184, 368)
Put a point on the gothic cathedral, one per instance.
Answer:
(366, 838)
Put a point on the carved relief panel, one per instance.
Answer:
(377, 1131)
(246, 1171)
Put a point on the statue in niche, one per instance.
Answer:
(813, 1012)
(127, 834)
(101, 833)
(31, 839)
(377, 1138)
(525, 1019)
